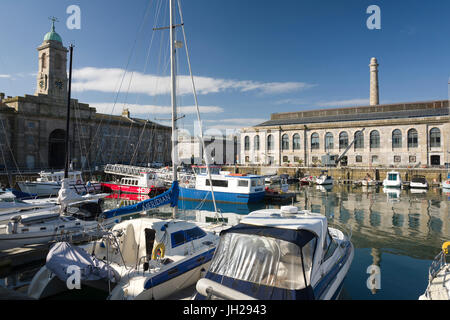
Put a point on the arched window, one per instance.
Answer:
(256, 142)
(435, 137)
(270, 142)
(374, 139)
(329, 141)
(247, 143)
(315, 141)
(413, 138)
(285, 142)
(396, 138)
(359, 140)
(296, 142)
(343, 140)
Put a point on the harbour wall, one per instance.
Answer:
(434, 176)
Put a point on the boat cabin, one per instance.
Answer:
(74, 176)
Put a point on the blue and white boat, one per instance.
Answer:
(227, 187)
(278, 254)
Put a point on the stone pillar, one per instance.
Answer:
(374, 95)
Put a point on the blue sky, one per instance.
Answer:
(250, 58)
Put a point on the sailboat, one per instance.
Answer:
(145, 258)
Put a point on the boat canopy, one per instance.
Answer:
(265, 262)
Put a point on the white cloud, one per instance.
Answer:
(232, 123)
(109, 80)
(5, 76)
(107, 108)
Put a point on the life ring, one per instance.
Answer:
(158, 251)
(445, 247)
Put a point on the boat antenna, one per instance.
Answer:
(197, 109)
(66, 166)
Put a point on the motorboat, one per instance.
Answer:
(270, 179)
(278, 254)
(324, 179)
(139, 180)
(446, 183)
(438, 287)
(418, 182)
(306, 180)
(228, 187)
(139, 259)
(393, 180)
(367, 181)
(49, 184)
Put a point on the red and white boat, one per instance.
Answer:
(135, 180)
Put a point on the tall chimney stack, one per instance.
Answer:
(374, 95)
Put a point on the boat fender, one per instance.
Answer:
(445, 247)
(158, 251)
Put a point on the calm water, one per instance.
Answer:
(400, 231)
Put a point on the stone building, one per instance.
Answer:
(412, 134)
(33, 127)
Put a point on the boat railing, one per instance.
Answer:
(438, 263)
(127, 170)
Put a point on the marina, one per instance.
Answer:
(391, 230)
(316, 192)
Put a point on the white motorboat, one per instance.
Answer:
(272, 179)
(393, 180)
(278, 254)
(324, 179)
(145, 258)
(446, 184)
(418, 182)
(439, 277)
(49, 183)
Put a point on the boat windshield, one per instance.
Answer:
(392, 177)
(264, 260)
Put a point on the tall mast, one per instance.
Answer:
(174, 101)
(66, 166)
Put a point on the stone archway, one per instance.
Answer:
(56, 149)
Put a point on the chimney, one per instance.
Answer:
(374, 94)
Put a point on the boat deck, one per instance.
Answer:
(440, 286)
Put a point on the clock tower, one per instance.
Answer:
(52, 73)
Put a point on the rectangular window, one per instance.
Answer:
(358, 158)
(218, 183)
(242, 183)
(374, 159)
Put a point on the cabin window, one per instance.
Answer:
(332, 245)
(392, 177)
(242, 183)
(217, 183)
(180, 237)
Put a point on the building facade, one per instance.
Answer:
(33, 127)
(399, 135)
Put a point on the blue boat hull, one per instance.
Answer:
(221, 197)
